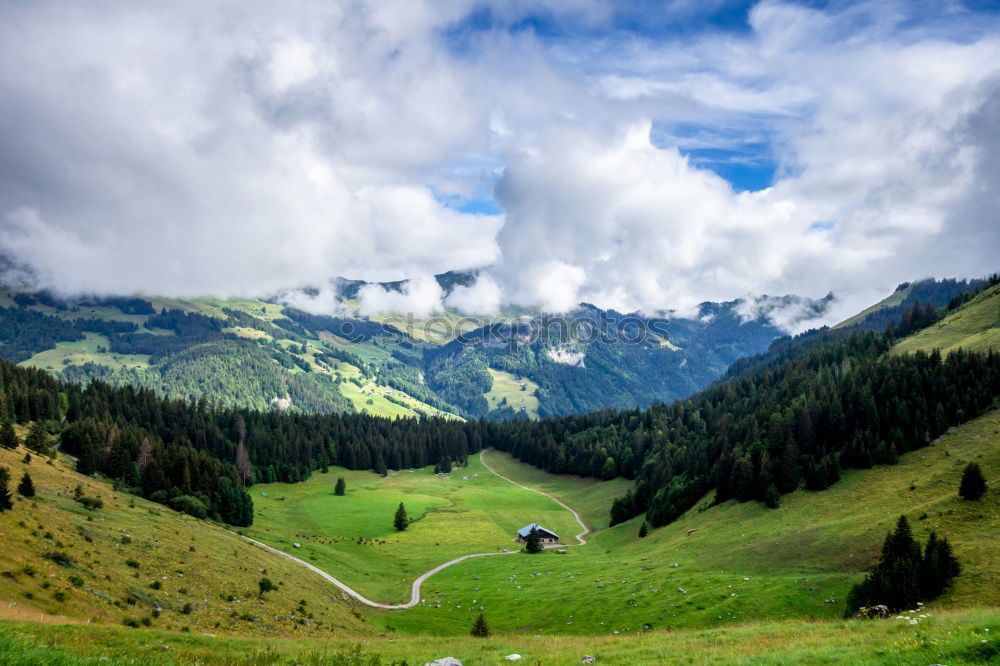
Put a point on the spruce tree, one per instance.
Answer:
(401, 521)
(643, 530)
(973, 484)
(340, 488)
(37, 439)
(772, 498)
(532, 542)
(479, 628)
(6, 501)
(8, 438)
(26, 488)
(26, 459)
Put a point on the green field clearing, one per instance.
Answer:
(735, 562)
(974, 327)
(589, 497)
(85, 351)
(453, 517)
(507, 387)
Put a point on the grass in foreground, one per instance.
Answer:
(953, 638)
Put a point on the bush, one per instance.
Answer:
(156, 585)
(59, 557)
(187, 608)
(132, 563)
(189, 505)
(91, 503)
(266, 585)
(130, 622)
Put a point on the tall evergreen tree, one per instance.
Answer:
(973, 484)
(6, 500)
(8, 438)
(26, 488)
(401, 521)
(532, 542)
(643, 530)
(341, 487)
(37, 439)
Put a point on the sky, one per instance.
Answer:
(645, 155)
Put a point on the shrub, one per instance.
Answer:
(156, 585)
(130, 622)
(265, 585)
(91, 503)
(189, 505)
(187, 608)
(59, 596)
(59, 557)
(76, 581)
(132, 563)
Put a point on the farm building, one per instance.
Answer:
(544, 535)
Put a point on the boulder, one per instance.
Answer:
(446, 661)
(588, 659)
(512, 657)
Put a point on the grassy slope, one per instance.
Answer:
(453, 517)
(952, 638)
(196, 562)
(85, 351)
(737, 562)
(975, 327)
(508, 386)
(892, 300)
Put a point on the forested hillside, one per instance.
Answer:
(262, 355)
(796, 416)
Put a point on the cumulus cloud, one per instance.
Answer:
(419, 296)
(482, 297)
(246, 149)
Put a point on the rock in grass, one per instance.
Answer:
(446, 661)
(588, 659)
(512, 657)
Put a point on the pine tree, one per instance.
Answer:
(479, 628)
(26, 488)
(772, 498)
(8, 438)
(973, 484)
(26, 459)
(643, 530)
(401, 521)
(532, 542)
(37, 439)
(340, 488)
(6, 501)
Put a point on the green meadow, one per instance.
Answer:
(352, 537)
(974, 327)
(731, 563)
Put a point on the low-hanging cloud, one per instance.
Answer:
(241, 149)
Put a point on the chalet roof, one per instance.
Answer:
(524, 531)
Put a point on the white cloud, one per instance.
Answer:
(419, 296)
(482, 297)
(242, 148)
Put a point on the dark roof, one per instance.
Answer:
(524, 531)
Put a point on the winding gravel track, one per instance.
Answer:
(415, 588)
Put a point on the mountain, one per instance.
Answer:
(974, 326)
(936, 293)
(263, 354)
